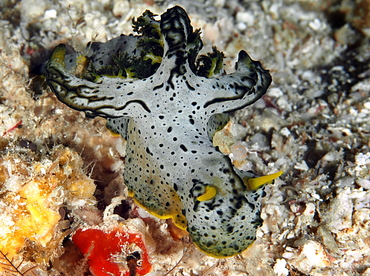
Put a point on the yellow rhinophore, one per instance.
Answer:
(208, 194)
(255, 183)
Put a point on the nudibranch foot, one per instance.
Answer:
(168, 103)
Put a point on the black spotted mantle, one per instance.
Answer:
(168, 104)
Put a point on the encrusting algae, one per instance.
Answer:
(33, 194)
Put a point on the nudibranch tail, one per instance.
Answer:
(168, 103)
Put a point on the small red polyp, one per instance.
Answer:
(107, 251)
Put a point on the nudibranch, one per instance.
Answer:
(167, 102)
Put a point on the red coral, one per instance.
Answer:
(108, 252)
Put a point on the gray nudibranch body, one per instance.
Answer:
(168, 103)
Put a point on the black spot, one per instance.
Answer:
(148, 151)
(209, 244)
(158, 86)
(226, 171)
(189, 86)
(183, 148)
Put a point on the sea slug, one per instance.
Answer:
(167, 102)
